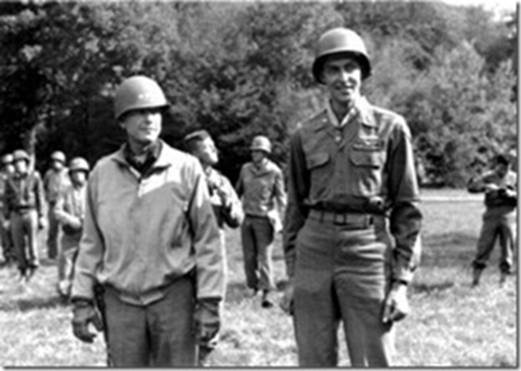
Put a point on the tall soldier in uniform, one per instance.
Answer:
(54, 180)
(150, 239)
(352, 225)
(23, 206)
(499, 219)
(226, 204)
(5, 230)
(261, 185)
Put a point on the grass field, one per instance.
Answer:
(451, 323)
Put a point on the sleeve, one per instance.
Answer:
(296, 211)
(405, 216)
(209, 252)
(279, 192)
(90, 252)
(8, 198)
(63, 213)
(39, 194)
(478, 184)
(232, 213)
(239, 187)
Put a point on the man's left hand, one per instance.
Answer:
(207, 322)
(396, 305)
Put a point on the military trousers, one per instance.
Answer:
(66, 257)
(257, 237)
(53, 233)
(24, 232)
(6, 240)
(341, 276)
(497, 226)
(160, 334)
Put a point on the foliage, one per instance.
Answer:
(239, 69)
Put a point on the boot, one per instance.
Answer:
(503, 278)
(476, 275)
(267, 300)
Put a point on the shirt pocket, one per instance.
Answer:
(320, 174)
(367, 161)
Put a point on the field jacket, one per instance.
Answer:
(54, 182)
(365, 166)
(24, 192)
(142, 232)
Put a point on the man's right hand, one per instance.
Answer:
(83, 313)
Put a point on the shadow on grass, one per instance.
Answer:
(28, 304)
(237, 291)
(429, 288)
(448, 249)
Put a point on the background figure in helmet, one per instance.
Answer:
(5, 230)
(351, 182)
(261, 186)
(499, 219)
(69, 210)
(24, 206)
(226, 204)
(151, 241)
(54, 181)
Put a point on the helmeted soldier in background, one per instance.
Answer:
(351, 181)
(226, 204)
(24, 207)
(261, 186)
(5, 231)
(54, 180)
(499, 220)
(69, 211)
(151, 240)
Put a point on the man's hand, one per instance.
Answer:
(207, 322)
(84, 313)
(396, 305)
(286, 302)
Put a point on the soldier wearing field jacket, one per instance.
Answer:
(150, 239)
(351, 231)
(499, 219)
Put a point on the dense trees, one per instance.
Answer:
(242, 68)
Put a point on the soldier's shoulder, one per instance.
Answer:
(385, 115)
(177, 156)
(313, 121)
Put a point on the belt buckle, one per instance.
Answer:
(339, 221)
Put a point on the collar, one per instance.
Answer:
(351, 113)
(151, 153)
(156, 157)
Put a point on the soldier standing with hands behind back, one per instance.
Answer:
(151, 241)
(351, 179)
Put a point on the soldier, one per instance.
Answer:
(351, 179)
(261, 185)
(151, 241)
(54, 180)
(23, 207)
(499, 219)
(70, 212)
(5, 232)
(226, 205)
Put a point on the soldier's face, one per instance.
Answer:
(20, 166)
(9, 168)
(342, 76)
(143, 126)
(257, 156)
(502, 169)
(206, 152)
(56, 164)
(78, 177)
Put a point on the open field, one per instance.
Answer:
(451, 323)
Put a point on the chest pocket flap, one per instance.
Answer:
(316, 160)
(367, 155)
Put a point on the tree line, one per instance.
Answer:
(239, 69)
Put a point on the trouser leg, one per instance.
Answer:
(171, 326)
(485, 244)
(249, 250)
(52, 233)
(316, 315)
(31, 225)
(507, 236)
(263, 234)
(18, 236)
(128, 339)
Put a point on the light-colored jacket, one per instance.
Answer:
(54, 182)
(141, 233)
(262, 190)
(70, 212)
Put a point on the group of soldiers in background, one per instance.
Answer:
(25, 197)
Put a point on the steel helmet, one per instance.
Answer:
(341, 40)
(261, 143)
(58, 156)
(21, 154)
(7, 159)
(79, 163)
(138, 92)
